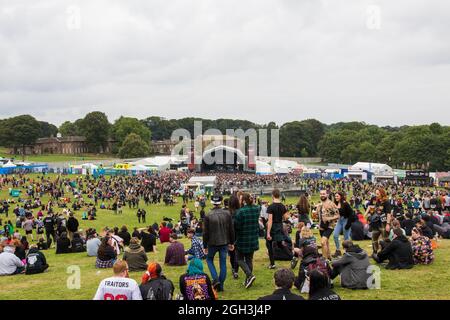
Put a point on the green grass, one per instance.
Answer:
(54, 157)
(421, 282)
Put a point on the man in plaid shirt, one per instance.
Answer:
(246, 226)
(196, 250)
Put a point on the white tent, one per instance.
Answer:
(89, 166)
(140, 167)
(379, 169)
(203, 180)
(9, 164)
(286, 166)
(160, 163)
(263, 168)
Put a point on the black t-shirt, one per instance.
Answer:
(324, 294)
(277, 210)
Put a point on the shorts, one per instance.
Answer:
(28, 231)
(326, 233)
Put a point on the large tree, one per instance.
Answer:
(68, 128)
(133, 147)
(123, 126)
(96, 128)
(20, 132)
(47, 129)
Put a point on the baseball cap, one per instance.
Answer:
(216, 199)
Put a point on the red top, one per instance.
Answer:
(164, 234)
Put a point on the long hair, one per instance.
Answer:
(247, 199)
(303, 204)
(318, 281)
(342, 194)
(103, 246)
(383, 194)
(234, 204)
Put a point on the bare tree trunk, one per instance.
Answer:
(23, 153)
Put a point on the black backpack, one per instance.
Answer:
(159, 289)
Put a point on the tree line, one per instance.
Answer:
(424, 146)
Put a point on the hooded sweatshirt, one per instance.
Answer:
(36, 262)
(136, 257)
(353, 268)
(399, 253)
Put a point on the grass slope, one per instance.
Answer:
(421, 282)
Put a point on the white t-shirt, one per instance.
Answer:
(117, 288)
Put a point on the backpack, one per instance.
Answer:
(320, 264)
(160, 289)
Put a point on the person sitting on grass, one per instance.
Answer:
(106, 255)
(42, 245)
(21, 247)
(175, 252)
(319, 286)
(398, 252)
(63, 244)
(10, 264)
(135, 256)
(92, 243)
(36, 262)
(284, 280)
(305, 239)
(196, 250)
(164, 233)
(311, 260)
(352, 267)
(77, 243)
(195, 284)
(154, 285)
(119, 286)
(148, 239)
(422, 248)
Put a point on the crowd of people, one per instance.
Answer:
(402, 222)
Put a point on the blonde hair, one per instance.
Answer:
(306, 232)
(120, 266)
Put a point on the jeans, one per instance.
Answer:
(245, 261)
(340, 227)
(223, 252)
(233, 260)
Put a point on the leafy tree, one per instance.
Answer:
(47, 129)
(20, 131)
(68, 128)
(96, 128)
(123, 126)
(133, 147)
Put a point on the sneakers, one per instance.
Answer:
(337, 254)
(249, 281)
(216, 285)
(294, 262)
(235, 275)
(272, 267)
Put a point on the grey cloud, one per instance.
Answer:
(259, 60)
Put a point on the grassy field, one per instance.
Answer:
(54, 157)
(421, 282)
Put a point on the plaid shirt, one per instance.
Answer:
(196, 249)
(246, 224)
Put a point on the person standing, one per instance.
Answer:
(246, 224)
(328, 215)
(72, 226)
(218, 237)
(275, 234)
(344, 223)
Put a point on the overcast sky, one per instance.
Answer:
(382, 61)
